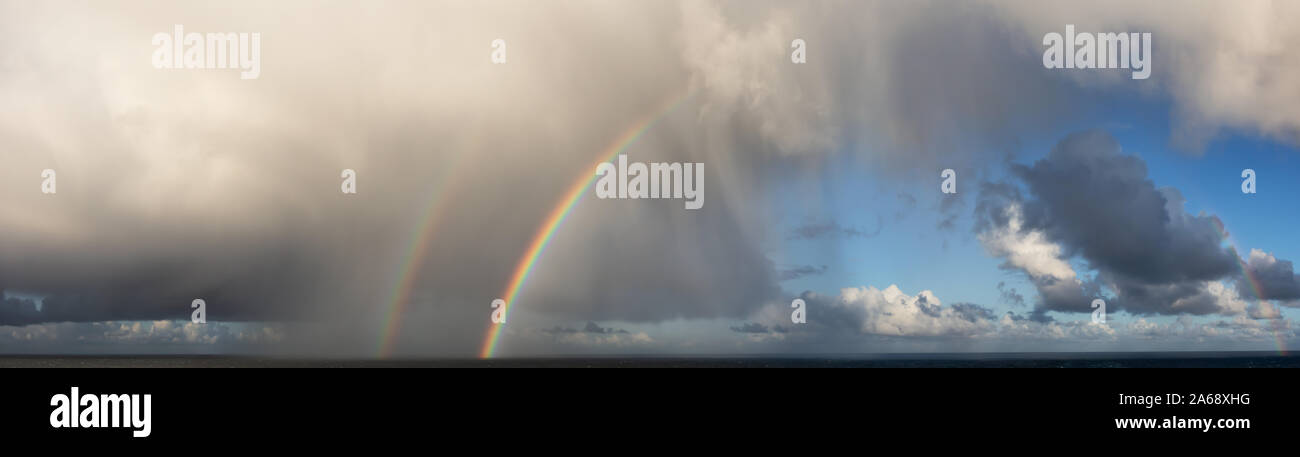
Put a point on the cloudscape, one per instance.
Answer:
(424, 179)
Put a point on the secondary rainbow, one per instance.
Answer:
(417, 250)
(561, 210)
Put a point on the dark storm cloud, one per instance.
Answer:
(1276, 278)
(1177, 297)
(1100, 205)
(18, 311)
(1065, 295)
(254, 279)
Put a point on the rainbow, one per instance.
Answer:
(1251, 278)
(416, 252)
(1255, 286)
(561, 211)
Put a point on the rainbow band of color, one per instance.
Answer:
(418, 248)
(561, 211)
(1251, 279)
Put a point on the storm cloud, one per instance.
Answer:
(1269, 278)
(1087, 200)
